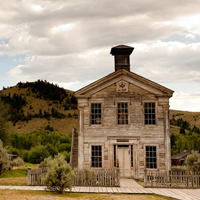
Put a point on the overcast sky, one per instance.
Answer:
(68, 42)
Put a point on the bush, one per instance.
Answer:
(5, 163)
(45, 162)
(67, 155)
(59, 174)
(193, 161)
(69, 115)
(38, 154)
(17, 162)
(65, 147)
(13, 151)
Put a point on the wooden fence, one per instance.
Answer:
(35, 176)
(171, 179)
(104, 177)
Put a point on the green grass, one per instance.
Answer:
(33, 166)
(20, 172)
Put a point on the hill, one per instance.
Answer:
(192, 120)
(41, 106)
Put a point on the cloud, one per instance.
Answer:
(68, 42)
(59, 27)
(186, 101)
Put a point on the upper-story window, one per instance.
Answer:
(122, 113)
(96, 113)
(149, 114)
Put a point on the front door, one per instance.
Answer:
(124, 160)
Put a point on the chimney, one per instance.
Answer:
(122, 53)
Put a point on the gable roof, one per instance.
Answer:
(120, 75)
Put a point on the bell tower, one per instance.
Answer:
(122, 53)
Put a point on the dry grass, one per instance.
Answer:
(37, 195)
(14, 181)
(60, 125)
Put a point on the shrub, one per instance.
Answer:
(5, 163)
(13, 151)
(17, 162)
(67, 155)
(59, 174)
(38, 154)
(69, 115)
(65, 147)
(45, 162)
(193, 161)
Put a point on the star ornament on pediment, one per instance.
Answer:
(122, 86)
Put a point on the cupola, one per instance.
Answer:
(122, 53)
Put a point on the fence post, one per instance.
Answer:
(29, 175)
(145, 178)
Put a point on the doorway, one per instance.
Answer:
(124, 160)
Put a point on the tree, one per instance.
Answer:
(193, 161)
(5, 163)
(4, 124)
(38, 154)
(59, 174)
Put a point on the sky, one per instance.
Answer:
(68, 42)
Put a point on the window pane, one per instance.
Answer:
(96, 156)
(122, 113)
(149, 113)
(151, 157)
(95, 113)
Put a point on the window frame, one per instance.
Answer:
(102, 154)
(157, 156)
(152, 125)
(90, 112)
(128, 114)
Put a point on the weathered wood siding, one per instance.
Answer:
(148, 135)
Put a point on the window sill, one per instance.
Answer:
(150, 126)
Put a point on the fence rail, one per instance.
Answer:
(104, 177)
(35, 176)
(172, 179)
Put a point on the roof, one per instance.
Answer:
(121, 49)
(183, 154)
(110, 78)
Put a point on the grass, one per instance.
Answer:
(33, 166)
(19, 172)
(17, 181)
(22, 195)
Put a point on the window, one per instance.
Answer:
(115, 156)
(150, 113)
(96, 156)
(131, 155)
(95, 113)
(122, 113)
(151, 158)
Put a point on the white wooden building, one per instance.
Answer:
(124, 121)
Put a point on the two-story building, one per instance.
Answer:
(124, 121)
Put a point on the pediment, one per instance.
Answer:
(123, 79)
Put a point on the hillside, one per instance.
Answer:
(36, 114)
(193, 118)
(41, 97)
